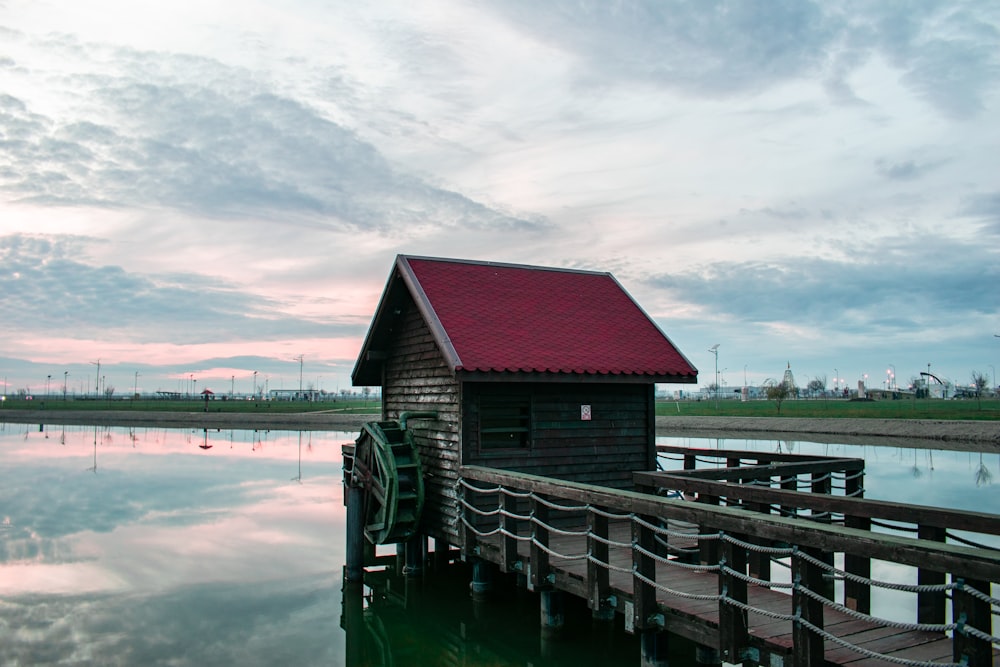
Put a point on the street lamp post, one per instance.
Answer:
(65, 382)
(97, 380)
(715, 350)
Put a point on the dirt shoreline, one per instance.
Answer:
(304, 421)
(919, 432)
(944, 434)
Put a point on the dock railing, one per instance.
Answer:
(772, 483)
(525, 523)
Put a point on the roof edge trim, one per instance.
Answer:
(427, 311)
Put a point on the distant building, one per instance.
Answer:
(789, 380)
(295, 395)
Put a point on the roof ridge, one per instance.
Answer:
(503, 265)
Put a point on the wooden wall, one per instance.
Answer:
(606, 450)
(617, 440)
(417, 378)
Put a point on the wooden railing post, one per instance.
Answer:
(708, 550)
(822, 483)
(857, 594)
(973, 612)
(466, 515)
(598, 575)
(790, 484)
(643, 565)
(807, 646)
(733, 619)
(540, 542)
(931, 605)
(508, 545)
(759, 562)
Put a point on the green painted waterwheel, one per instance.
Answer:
(387, 467)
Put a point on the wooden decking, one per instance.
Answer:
(698, 619)
(713, 583)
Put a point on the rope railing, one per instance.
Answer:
(660, 530)
(962, 540)
(868, 653)
(674, 562)
(669, 555)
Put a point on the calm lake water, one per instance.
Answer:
(141, 546)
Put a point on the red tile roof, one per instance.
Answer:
(501, 317)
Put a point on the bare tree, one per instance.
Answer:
(777, 392)
(979, 382)
(817, 384)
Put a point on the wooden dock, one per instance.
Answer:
(703, 569)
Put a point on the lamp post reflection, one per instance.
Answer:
(93, 468)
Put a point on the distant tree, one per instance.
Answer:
(777, 392)
(817, 385)
(109, 391)
(979, 382)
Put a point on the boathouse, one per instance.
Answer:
(530, 369)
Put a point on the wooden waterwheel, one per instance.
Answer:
(387, 468)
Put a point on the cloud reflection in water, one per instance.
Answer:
(170, 553)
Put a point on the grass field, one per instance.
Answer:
(907, 408)
(987, 409)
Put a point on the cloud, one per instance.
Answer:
(190, 134)
(949, 52)
(905, 170)
(946, 53)
(985, 206)
(47, 286)
(890, 286)
(714, 49)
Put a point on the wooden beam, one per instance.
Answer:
(973, 563)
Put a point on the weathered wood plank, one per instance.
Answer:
(979, 522)
(908, 551)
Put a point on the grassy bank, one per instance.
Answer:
(988, 409)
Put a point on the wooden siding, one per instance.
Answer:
(417, 378)
(605, 451)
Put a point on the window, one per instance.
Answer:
(504, 422)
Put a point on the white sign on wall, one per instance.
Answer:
(585, 413)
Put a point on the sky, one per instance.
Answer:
(195, 192)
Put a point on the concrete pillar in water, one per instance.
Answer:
(355, 570)
(415, 552)
(552, 615)
(354, 622)
(707, 656)
(482, 579)
(653, 648)
(441, 548)
(605, 613)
